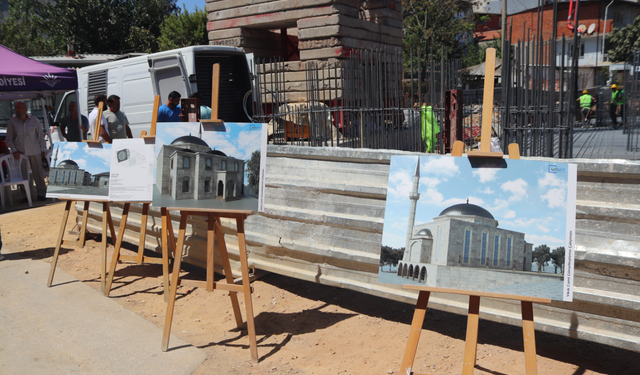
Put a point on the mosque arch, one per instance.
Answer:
(220, 189)
(404, 271)
(410, 274)
(423, 275)
(399, 272)
(416, 273)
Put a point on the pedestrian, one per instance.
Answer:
(170, 111)
(117, 121)
(25, 137)
(205, 112)
(586, 101)
(99, 98)
(69, 125)
(616, 105)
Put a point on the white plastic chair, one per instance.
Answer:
(14, 172)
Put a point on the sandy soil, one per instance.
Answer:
(306, 328)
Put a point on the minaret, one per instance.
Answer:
(55, 157)
(414, 196)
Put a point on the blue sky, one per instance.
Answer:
(239, 140)
(191, 4)
(524, 197)
(91, 159)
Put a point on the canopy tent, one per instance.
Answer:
(23, 78)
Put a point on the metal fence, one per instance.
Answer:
(374, 99)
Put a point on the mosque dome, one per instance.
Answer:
(424, 232)
(466, 209)
(217, 152)
(68, 164)
(188, 140)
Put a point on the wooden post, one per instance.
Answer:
(414, 333)
(471, 342)
(215, 93)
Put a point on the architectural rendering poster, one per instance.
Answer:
(132, 170)
(207, 166)
(449, 225)
(79, 171)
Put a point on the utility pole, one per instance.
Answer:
(504, 24)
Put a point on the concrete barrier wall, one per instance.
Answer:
(324, 219)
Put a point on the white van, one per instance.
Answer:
(186, 70)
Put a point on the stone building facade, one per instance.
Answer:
(189, 169)
(68, 173)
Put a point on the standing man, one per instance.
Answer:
(117, 122)
(586, 101)
(170, 111)
(25, 136)
(100, 98)
(616, 105)
(69, 125)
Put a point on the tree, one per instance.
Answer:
(93, 26)
(541, 255)
(443, 26)
(557, 256)
(621, 43)
(253, 166)
(184, 29)
(21, 31)
(390, 256)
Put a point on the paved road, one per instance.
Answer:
(72, 329)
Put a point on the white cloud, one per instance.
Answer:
(435, 198)
(485, 174)
(399, 185)
(510, 214)
(544, 239)
(517, 188)
(82, 163)
(543, 228)
(551, 180)
(487, 190)
(438, 165)
(555, 197)
(499, 204)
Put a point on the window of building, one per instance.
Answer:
(185, 163)
(236, 167)
(64, 174)
(485, 238)
(55, 179)
(496, 248)
(185, 185)
(75, 178)
(224, 165)
(208, 164)
(207, 185)
(171, 164)
(580, 52)
(509, 242)
(467, 245)
(438, 242)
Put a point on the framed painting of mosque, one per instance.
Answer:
(210, 166)
(504, 228)
(80, 171)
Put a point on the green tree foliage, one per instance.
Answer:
(94, 26)
(390, 256)
(184, 29)
(541, 255)
(253, 166)
(477, 54)
(621, 43)
(440, 25)
(21, 31)
(557, 256)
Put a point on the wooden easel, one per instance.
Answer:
(106, 220)
(471, 342)
(214, 233)
(166, 226)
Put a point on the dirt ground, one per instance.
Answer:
(306, 328)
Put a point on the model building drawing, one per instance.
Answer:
(453, 226)
(79, 171)
(214, 169)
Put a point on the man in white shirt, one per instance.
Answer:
(118, 123)
(94, 114)
(25, 136)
